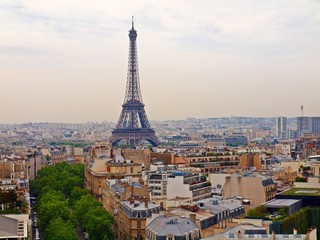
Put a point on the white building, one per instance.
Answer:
(188, 185)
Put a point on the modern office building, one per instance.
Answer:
(308, 125)
(281, 127)
(315, 124)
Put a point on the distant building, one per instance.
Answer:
(172, 228)
(315, 124)
(257, 189)
(303, 125)
(236, 140)
(283, 149)
(250, 160)
(307, 125)
(281, 127)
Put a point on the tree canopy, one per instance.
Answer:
(63, 204)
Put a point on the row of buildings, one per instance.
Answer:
(171, 189)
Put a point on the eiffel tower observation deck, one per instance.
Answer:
(133, 127)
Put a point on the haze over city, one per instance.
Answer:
(67, 61)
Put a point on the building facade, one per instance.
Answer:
(134, 216)
(257, 189)
(281, 128)
(172, 228)
(188, 185)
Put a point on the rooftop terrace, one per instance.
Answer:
(302, 191)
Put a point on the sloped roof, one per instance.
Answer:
(175, 226)
(8, 226)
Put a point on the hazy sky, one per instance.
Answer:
(66, 60)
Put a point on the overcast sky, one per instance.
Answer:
(66, 60)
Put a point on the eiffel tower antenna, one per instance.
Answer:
(132, 22)
(133, 125)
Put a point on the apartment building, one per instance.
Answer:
(169, 228)
(188, 185)
(98, 170)
(134, 216)
(256, 188)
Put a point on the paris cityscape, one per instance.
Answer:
(206, 126)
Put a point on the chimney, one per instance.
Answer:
(193, 218)
(312, 233)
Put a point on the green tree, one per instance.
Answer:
(76, 195)
(53, 205)
(83, 206)
(53, 186)
(60, 230)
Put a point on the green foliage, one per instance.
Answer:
(61, 177)
(301, 179)
(76, 195)
(300, 220)
(58, 229)
(8, 197)
(53, 205)
(69, 144)
(10, 203)
(259, 212)
(63, 203)
(91, 216)
(83, 206)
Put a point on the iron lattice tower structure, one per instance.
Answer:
(133, 126)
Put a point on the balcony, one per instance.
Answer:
(199, 185)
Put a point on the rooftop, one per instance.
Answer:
(177, 226)
(302, 192)
(281, 202)
(138, 205)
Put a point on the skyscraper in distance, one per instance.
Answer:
(303, 125)
(281, 127)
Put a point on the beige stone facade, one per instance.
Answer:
(99, 170)
(250, 160)
(115, 193)
(257, 189)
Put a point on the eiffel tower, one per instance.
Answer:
(133, 126)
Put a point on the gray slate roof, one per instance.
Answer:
(8, 226)
(176, 226)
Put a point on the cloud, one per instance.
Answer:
(26, 50)
(209, 50)
(67, 22)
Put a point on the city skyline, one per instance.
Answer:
(67, 62)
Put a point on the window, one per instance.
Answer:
(131, 169)
(138, 224)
